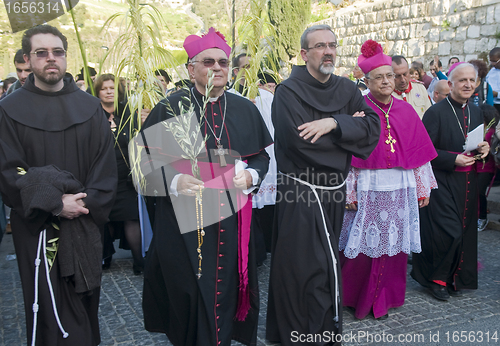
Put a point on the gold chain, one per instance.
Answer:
(199, 227)
(390, 140)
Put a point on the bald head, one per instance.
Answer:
(441, 90)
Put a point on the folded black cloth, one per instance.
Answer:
(80, 249)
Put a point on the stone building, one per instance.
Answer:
(417, 29)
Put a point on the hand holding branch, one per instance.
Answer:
(188, 185)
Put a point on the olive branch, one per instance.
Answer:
(180, 127)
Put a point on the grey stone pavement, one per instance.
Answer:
(469, 320)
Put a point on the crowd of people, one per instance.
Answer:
(343, 182)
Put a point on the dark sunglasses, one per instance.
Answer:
(58, 53)
(209, 62)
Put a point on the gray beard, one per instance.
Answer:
(326, 70)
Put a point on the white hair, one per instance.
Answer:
(459, 67)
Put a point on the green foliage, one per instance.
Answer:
(90, 16)
(290, 17)
(446, 25)
(261, 42)
(322, 10)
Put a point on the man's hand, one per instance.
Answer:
(243, 180)
(317, 128)
(464, 161)
(351, 206)
(423, 202)
(359, 114)
(73, 206)
(188, 185)
(483, 148)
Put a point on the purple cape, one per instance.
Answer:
(413, 147)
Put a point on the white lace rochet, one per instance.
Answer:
(387, 220)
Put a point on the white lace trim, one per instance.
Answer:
(387, 220)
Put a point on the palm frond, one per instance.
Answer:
(262, 44)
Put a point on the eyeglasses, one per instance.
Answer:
(381, 77)
(43, 53)
(493, 63)
(209, 62)
(323, 45)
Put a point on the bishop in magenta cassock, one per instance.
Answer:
(383, 195)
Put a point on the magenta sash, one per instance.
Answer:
(221, 178)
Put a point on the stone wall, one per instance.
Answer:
(417, 29)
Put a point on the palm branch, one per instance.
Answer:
(262, 44)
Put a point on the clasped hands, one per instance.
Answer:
(483, 149)
(189, 185)
(73, 205)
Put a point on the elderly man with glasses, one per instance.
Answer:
(200, 278)
(316, 134)
(384, 194)
(448, 261)
(493, 77)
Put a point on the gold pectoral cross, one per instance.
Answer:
(390, 140)
(221, 152)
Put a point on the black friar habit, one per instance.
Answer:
(66, 129)
(448, 225)
(302, 281)
(192, 311)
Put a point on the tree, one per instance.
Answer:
(290, 17)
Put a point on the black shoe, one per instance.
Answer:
(454, 293)
(137, 269)
(439, 292)
(106, 263)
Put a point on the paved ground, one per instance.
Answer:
(469, 320)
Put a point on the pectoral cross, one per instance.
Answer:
(390, 140)
(221, 152)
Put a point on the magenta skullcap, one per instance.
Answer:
(194, 44)
(455, 65)
(372, 56)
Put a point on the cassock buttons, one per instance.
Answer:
(221, 255)
(219, 280)
(218, 293)
(222, 230)
(220, 268)
(221, 243)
